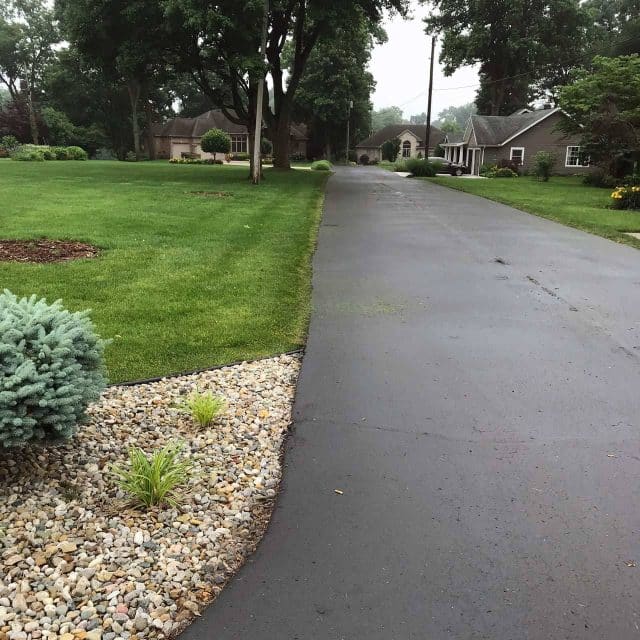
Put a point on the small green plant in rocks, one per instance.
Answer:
(204, 407)
(153, 480)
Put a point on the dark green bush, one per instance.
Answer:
(29, 153)
(321, 165)
(505, 172)
(420, 168)
(61, 153)
(600, 179)
(390, 149)
(51, 368)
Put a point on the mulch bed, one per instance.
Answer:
(42, 251)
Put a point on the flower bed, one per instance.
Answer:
(626, 197)
(79, 561)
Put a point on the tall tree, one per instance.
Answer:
(336, 75)
(459, 116)
(126, 40)
(386, 116)
(616, 26)
(28, 32)
(603, 107)
(517, 43)
(220, 44)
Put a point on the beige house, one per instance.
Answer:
(180, 137)
(518, 137)
(411, 138)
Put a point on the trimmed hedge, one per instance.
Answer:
(51, 368)
(321, 165)
(40, 152)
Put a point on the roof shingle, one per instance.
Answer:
(394, 130)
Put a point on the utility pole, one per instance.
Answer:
(427, 137)
(257, 138)
(348, 123)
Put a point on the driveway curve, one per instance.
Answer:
(471, 390)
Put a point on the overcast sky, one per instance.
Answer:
(402, 79)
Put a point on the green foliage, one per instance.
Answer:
(61, 131)
(39, 152)
(153, 480)
(321, 165)
(603, 107)
(420, 168)
(215, 141)
(599, 179)
(401, 165)
(9, 143)
(454, 119)
(543, 162)
(390, 150)
(76, 153)
(50, 370)
(517, 45)
(384, 117)
(504, 172)
(204, 407)
(266, 148)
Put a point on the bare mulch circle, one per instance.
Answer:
(211, 194)
(41, 251)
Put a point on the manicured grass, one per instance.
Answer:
(183, 281)
(563, 199)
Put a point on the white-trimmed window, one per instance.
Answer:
(517, 154)
(575, 158)
(406, 149)
(239, 144)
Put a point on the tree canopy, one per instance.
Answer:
(386, 116)
(603, 107)
(519, 45)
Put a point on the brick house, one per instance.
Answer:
(411, 138)
(179, 137)
(518, 137)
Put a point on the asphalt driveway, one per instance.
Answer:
(471, 386)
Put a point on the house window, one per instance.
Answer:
(517, 154)
(575, 158)
(238, 144)
(406, 149)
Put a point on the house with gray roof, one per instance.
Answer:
(180, 137)
(411, 138)
(517, 137)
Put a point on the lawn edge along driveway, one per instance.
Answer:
(563, 199)
(197, 267)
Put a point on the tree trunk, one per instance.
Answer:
(281, 143)
(33, 123)
(151, 147)
(134, 97)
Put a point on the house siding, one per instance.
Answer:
(545, 136)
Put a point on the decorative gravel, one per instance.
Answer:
(78, 561)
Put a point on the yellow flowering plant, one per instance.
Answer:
(626, 197)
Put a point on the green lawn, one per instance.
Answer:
(183, 281)
(563, 199)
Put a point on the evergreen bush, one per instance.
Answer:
(76, 153)
(51, 368)
(420, 168)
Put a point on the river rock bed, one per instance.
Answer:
(78, 561)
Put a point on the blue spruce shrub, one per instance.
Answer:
(51, 368)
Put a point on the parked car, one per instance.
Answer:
(454, 168)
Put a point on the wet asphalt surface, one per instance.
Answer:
(471, 385)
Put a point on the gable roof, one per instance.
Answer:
(494, 131)
(394, 130)
(213, 119)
